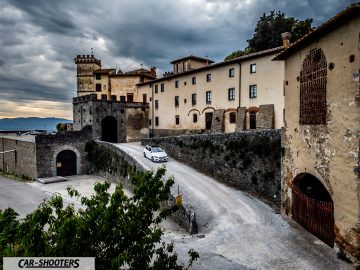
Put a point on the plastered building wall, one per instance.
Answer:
(218, 86)
(328, 151)
(269, 81)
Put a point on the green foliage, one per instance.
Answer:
(121, 232)
(61, 127)
(268, 30)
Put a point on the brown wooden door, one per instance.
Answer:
(208, 120)
(315, 216)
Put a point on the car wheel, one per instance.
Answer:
(152, 158)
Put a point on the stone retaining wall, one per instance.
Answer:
(249, 160)
(124, 164)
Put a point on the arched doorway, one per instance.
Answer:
(66, 163)
(313, 207)
(109, 129)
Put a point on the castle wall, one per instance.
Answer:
(49, 146)
(22, 162)
(137, 122)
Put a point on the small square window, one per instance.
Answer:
(98, 77)
(162, 87)
(122, 98)
(252, 91)
(176, 101)
(195, 118)
(98, 87)
(177, 120)
(176, 84)
(156, 121)
(156, 104)
(185, 100)
(253, 68)
(208, 77)
(156, 88)
(231, 72)
(193, 80)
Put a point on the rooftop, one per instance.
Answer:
(194, 58)
(104, 71)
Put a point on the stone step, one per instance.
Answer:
(49, 180)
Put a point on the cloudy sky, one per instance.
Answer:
(40, 38)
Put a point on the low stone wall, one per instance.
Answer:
(121, 164)
(21, 162)
(249, 160)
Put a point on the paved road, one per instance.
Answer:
(237, 231)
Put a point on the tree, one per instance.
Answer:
(120, 232)
(268, 30)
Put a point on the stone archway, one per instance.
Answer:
(109, 129)
(66, 163)
(313, 207)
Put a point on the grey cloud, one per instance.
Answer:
(39, 43)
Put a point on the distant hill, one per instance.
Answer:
(31, 123)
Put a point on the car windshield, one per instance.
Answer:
(156, 150)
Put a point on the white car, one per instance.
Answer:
(155, 153)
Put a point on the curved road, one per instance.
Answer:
(237, 231)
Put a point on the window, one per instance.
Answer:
(195, 118)
(177, 120)
(141, 79)
(156, 104)
(98, 87)
(253, 68)
(149, 122)
(231, 72)
(98, 77)
(156, 121)
(208, 97)
(208, 77)
(156, 88)
(176, 84)
(162, 87)
(232, 118)
(122, 98)
(193, 99)
(193, 80)
(231, 93)
(252, 91)
(176, 101)
(130, 98)
(185, 100)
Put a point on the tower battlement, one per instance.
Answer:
(87, 59)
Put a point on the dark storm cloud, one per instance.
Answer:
(40, 38)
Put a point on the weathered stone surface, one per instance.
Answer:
(49, 146)
(265, 119)
(22, 162)
(217, 124)
(241, 119)
(248, 160)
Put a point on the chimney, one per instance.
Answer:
(286, 39)
(153, 71)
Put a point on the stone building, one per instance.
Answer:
(320, 188)
(109, 84)
(197, 96)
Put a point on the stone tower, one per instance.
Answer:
(86, 65)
